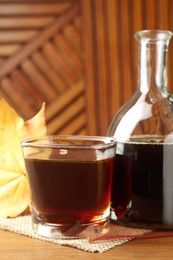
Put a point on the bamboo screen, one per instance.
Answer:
(77, 56)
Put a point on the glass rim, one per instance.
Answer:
(101, 142)
(155, 34)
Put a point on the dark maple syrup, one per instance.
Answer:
(142, 185)
(66, 191)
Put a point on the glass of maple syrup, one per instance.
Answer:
(70, 180)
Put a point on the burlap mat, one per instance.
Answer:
(22, 225)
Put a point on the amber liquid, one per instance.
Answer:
(66, 192)
(142, 186)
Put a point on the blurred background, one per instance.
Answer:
(77, 56)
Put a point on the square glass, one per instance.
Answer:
(70, 180)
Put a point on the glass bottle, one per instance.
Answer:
(142, 186)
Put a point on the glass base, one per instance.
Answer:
(66, 231)
(129, 221)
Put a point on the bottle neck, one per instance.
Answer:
(152, 66)
(153, 46)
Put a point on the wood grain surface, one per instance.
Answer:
(18, 247)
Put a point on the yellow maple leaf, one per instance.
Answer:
(14, 187)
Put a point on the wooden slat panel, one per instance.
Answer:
(64, 100)
(73, 35)
(163, 10)
(82, 131)
(90, 67)
(150, 14)
(75, 126)
(13, 36)
(62, 64)
(7, 49)
(24, 22)
(71, 53)
(15, 96)
(10, 40)
(49, 71)
(101, 59)
(32, 8)
(62, 120)
(37, 42)
(38, 1)
(126, 35)
(137, 15)
(77, 23)
(39, 80)
(79, 56)
(113, 59)
(58, 63)
(49, 54)
(27, 86)
(138, 24)
(46, 67)
(26, 16)
(113, 24)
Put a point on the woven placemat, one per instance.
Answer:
(117, 235)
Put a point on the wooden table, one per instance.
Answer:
(18, 247)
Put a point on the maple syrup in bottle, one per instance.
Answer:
(142, 186)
